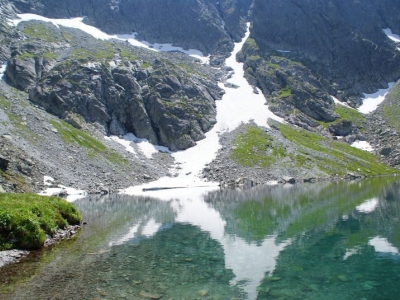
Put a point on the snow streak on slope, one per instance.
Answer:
(2, 70)
(97, 33)
(372, 101)
(391, 35)
(238, 105)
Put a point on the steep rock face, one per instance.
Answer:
(67, 72)
(206, 25)
(7, 11)
(292, 90)
(340, 41)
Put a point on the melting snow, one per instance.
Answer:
(371, 101)
(391, 35)
(145, 146)
(368, 206)
(337, 101)
(363, 145)
(97, 33)
(3, 70)
(382, 245)
(238, 106)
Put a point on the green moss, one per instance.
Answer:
(50, 55)
(334, 157)
(25, 219)
(127, 54)
(5, 103)
(72, 135)
(102, 53)
(346, 114)
(285, 92)
(391, 108)
(251, 45)
(26, 55)
(272, 65)
(40, 31)
(256, 147)
(146, 65)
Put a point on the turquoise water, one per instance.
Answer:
(315, 241)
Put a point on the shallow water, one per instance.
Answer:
(315, 241)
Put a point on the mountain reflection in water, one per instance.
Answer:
(312, 241)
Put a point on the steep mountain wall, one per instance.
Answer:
(342, 42)
(206, 25)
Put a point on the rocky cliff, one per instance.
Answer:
(206, 25)
(341, 42)
(168, 101)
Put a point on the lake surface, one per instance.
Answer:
(312, 241)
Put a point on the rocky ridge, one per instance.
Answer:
(157, 21)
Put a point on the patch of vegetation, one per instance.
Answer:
(73, 135)
(50, 55)
(256, 147)
(272, 65)
(127, 54)
(251, 45)
(104, 53)
(334, 157)
(40, 31)
(146, 65)
(25, 219)
(285, 92)
(5, 103)
(346, 114)
(16, 180)
(391, 108)
(26, 55)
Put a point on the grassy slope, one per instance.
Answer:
(307, 150)
(25, 219)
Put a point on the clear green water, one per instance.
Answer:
(317, 241)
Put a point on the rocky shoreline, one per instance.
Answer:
(15, 255)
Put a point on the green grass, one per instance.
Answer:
(251, 45)
(72, 135)
(146, 65)
(285, 92)
(5, 103)
(26, 55)
(104, 53)
(346, 114)
(25, 219)
(256, 148)
(40, 31)
(391, 108)
(50, 55)
(334, 157)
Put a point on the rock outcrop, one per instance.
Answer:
(170, 104)
(333, 39)
(206, 25)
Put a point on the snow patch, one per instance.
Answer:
(382, 245)
(391, 35)
(144, 145)
(3, 70)
(337, 101)
(363, 145)
(371, 101)
(71, 193)
(97, 33)
(368, 206)
(350, 252)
